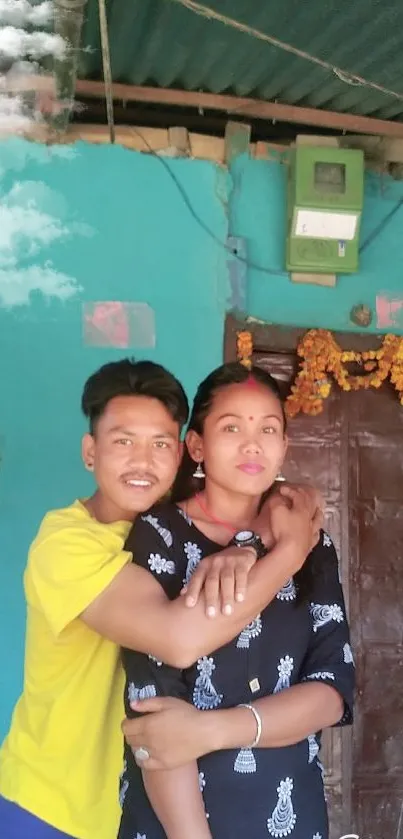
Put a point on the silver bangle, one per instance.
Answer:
(258, 721)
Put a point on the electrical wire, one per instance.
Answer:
(185, 198)
(232, 250)
(381, 226)
(199, 220)
(344, 75)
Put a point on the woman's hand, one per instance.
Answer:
(173, 732)
(222, 578)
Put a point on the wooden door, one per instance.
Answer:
(316, 455)
(353, 452)
(375, 496)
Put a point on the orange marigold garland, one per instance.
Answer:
(322, 356)
(244, 348)
(323, 359)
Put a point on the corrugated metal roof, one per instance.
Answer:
(161, 43)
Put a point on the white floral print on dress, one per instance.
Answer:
(288, 592)
(135, 693)
(245, 762)
(123, 784)
(328, 543)
(252, 630)
(185, 516)
(321, 674)
(155, 660)
(285, 668)
(160, 565)
(205, 696)
(202, 784)
(325, 613)
(283, 819)
(165, 534)
(348, 654)
(313, 748)
(194, 555)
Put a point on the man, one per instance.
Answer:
(60, 763)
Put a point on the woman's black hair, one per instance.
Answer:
(186, 485)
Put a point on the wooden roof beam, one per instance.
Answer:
(242, 106)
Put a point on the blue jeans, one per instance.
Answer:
(16, 823)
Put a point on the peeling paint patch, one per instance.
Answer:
(389, 311)
(113, 323)
(236, 141)
(223, 186)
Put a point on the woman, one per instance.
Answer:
(270, 691)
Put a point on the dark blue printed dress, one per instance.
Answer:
(265, 793)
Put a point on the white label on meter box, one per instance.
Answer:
(315, 224)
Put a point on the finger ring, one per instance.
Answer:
(141, 754)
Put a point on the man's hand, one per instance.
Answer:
(173, 732)
(313, 500)
(222, 578)
(292, 521)
(305, 500)
(293, 511)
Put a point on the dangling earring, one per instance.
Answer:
(89, 466)
(280, 478)
(199, 472)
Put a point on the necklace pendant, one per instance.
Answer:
(254, 685)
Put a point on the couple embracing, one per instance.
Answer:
(224, 605)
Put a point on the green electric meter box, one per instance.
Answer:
(325, 200)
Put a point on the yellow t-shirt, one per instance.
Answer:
(62, 757)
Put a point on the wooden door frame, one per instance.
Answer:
(272, 338)
(269, 337)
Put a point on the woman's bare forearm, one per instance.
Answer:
(175, 797)
(287, 718)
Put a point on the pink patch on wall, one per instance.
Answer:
(389, 312)
(112, 323)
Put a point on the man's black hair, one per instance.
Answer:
(133, 378)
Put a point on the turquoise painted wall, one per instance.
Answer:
(86, 223)
(257, 212)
